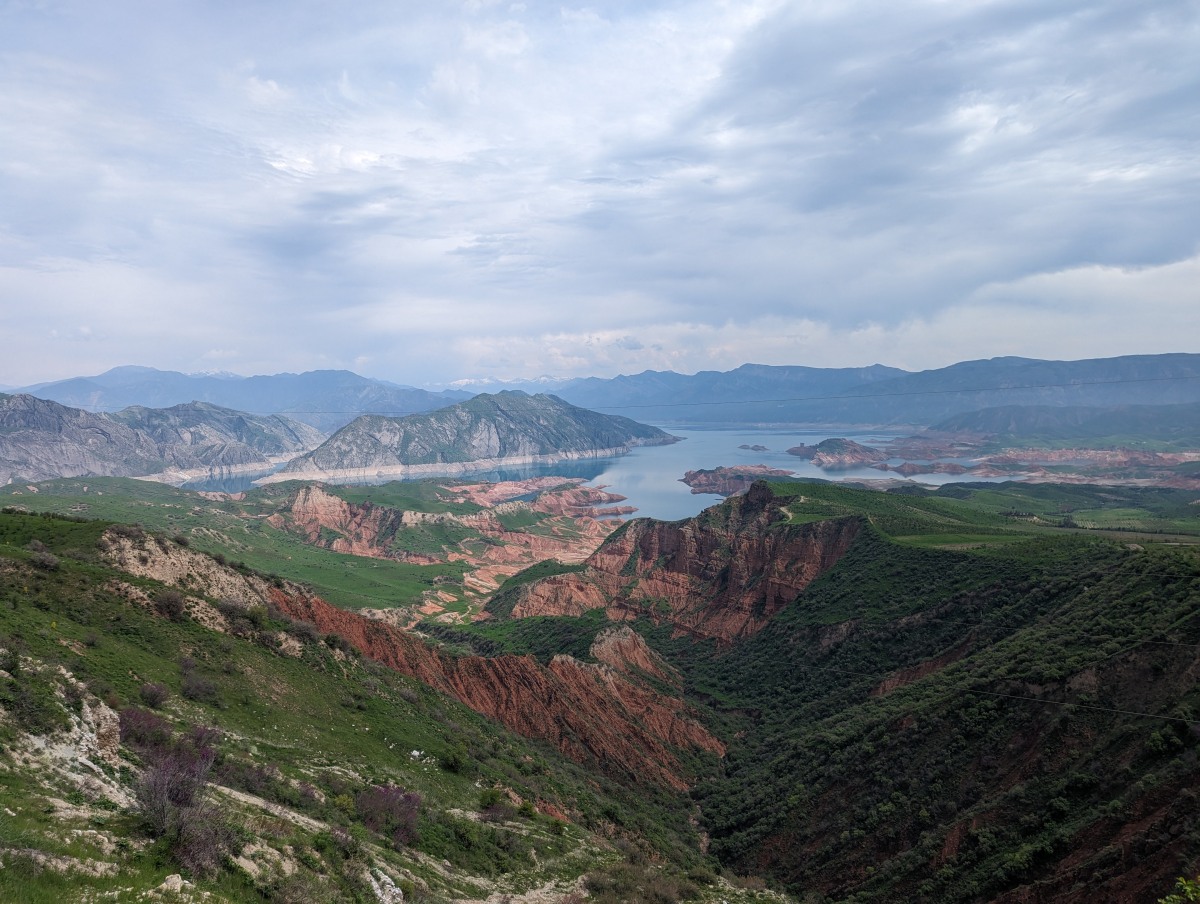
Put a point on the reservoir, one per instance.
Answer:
(649, 476)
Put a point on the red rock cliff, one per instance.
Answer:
(593, 713)
(722, 574)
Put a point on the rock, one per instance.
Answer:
(838, 453)
(730, 481)
(722, 574)
(174, 884)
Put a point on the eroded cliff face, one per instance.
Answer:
(722, 574)
(596, 713)
(592, 712)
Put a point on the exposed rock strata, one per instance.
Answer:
(593, 713)
(367, 529)
(722, 574)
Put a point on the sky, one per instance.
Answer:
(428, 192)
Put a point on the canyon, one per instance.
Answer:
(722, 574)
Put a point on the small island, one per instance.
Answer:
(730, 481)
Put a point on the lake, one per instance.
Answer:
(649, 476)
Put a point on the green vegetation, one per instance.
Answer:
(992, 690)
(964, 513)
(324, 768)
(407, 495)
(238, 531)
(972, 697)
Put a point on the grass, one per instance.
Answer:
(339, 723)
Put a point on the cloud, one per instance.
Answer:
(441, 189)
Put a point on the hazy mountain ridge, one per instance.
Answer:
(326, 399)
(1167, 423)
(478, 433)
(887, 396)
(41, 439)
(749, 394)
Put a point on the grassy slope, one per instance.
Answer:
(237, 530)
(336, 723)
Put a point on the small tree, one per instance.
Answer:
(1186, 891)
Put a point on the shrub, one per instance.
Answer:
(153, 695)
(197, 687)
(143, 730)
(171, 604)
(44, 560)
(391, 811)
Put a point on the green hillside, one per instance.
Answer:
(326, 772)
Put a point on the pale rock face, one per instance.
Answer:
(40, 440)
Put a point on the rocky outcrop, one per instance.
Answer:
(838, 453)
(482, 433)
(595, 713)
(730, 481)
(625, 650)
(722, 574)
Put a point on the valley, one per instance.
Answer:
(837, 684)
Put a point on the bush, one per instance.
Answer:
(171, 604)
(153, 695)
(44, 560)
(143, 730)
(197, 687)
(391, 811)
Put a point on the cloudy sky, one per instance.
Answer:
(431, 191)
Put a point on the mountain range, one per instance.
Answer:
(325, 399)
(750, 394)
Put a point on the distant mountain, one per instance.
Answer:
(885, 396)
(747, 394)
(325, 399)
(41, 439)
(1158, 423)
(507, 427)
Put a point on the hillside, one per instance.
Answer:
(183, 739)
(963, 706)
(41, 439)
(984, 692)
(478, 434)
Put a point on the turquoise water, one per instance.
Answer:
(649, 476)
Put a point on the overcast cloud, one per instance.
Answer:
(432, 191)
